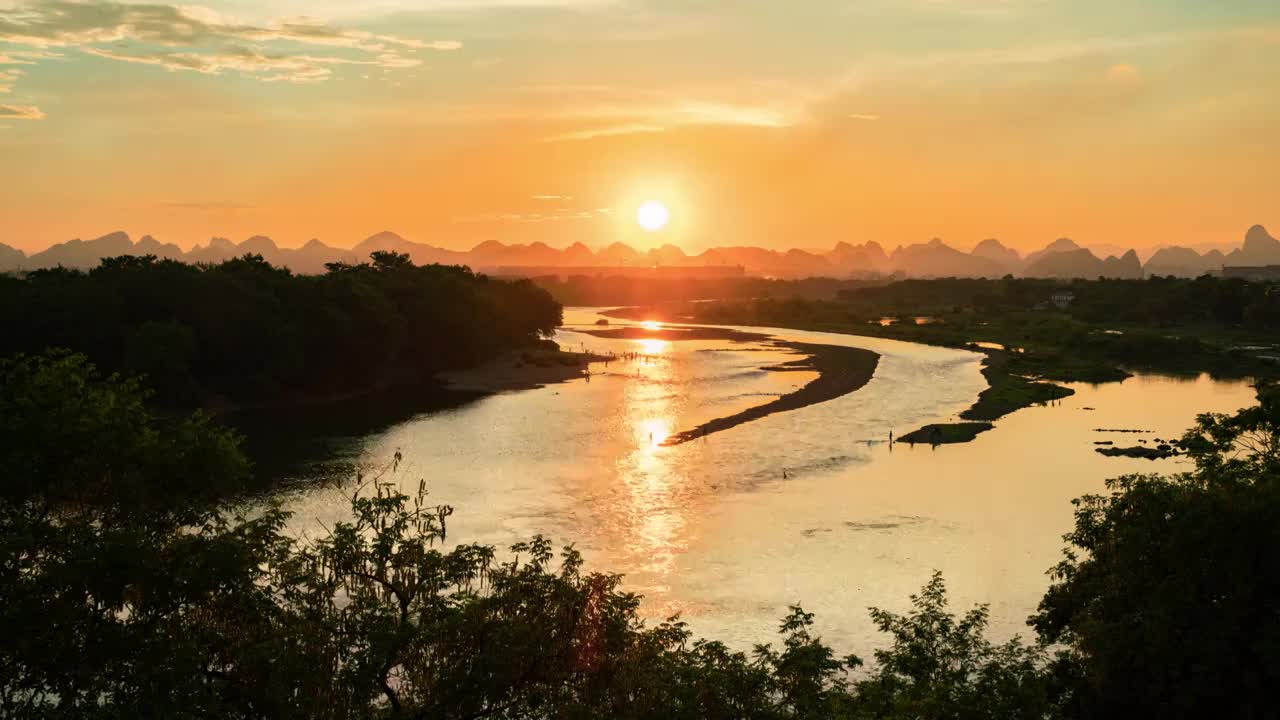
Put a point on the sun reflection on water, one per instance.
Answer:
(658, 430)
(653, 346)
(651, 512)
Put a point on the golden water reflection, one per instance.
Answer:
(653, 346)
(654, 519)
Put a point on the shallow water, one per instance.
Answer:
(710, 528)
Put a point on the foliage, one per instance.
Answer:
(130, 592)
(74, 441)
(1165, 599)
(943, 667)
(246, 332)
(116, 611)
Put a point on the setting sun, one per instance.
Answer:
(652, 216)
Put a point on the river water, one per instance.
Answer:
(711, 529)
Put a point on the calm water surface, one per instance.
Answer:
(711, 530)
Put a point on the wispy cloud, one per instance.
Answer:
(200, 40)
(268, 68)
(535, 217)
(862, 116)
(25, 57)
(9, 78)
(608, 131)
(21, 112)
(631, 116)
(712, 113)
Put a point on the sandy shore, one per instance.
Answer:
(523, 370)
(841, 370)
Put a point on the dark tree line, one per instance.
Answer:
(246, 332)
(1154, 302)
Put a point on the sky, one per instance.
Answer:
(778, 123)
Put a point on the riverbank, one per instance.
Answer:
(1015, 379)
(524, 370)
(841, 370)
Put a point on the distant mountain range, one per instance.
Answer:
(1062, 258)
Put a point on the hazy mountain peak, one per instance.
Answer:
(993, 249)
(1258, 238)
(488, 246)
(10, 256)
(221, 243)
(386, 236)
(618, 253)
(114, 238)
(1062, 244)
(258, 244)
(315, 244)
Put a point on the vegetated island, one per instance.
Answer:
(841, 370)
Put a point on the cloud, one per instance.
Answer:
(862, 116)
(25, 57)
(200, 40)
(552, 197)
(265, 67)
(711, 113)
(609, 131)
(21, 112)
(9, 78)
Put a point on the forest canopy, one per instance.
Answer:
(245, 332)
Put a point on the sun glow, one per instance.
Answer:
(652, 216)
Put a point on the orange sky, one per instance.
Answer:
(456, 122)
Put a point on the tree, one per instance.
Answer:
(943, 667)
(1165, 599)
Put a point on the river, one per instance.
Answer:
(711, 529)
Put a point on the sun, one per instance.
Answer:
(652, 216)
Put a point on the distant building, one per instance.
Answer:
(1264, 273)
(1062, 298)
